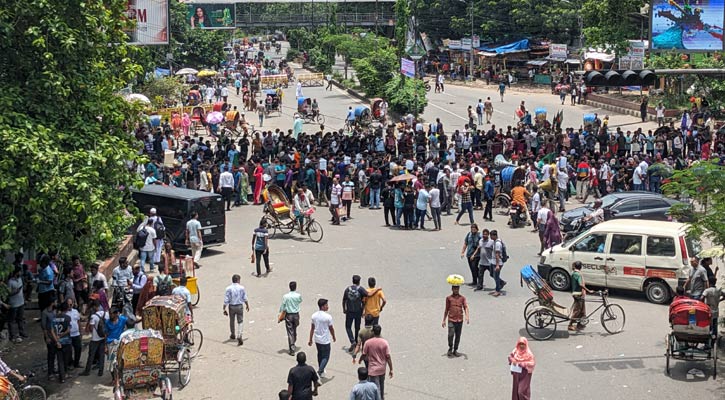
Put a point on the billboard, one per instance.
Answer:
(558, 51)
(152, 22)
(407, 67)
(692, 25)
(211, 16)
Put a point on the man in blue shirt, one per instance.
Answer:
(46, 277)
(488, 194)
(420, 207)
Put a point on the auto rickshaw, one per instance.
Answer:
(182, 342)
(363, 115)
(138, 368)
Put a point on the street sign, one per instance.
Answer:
(466, 43)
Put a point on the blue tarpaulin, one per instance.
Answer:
(521, 45)
(159, 72)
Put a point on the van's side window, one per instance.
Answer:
(593, 243)
(660, 246)
(626, 244)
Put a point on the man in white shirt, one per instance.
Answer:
(146, 252)
(96, 347)
(323, 333)
(235, 297)
(226, 186)
(535, 207)
(541, 217)
(435, 204)
(300, 204)
(335, 194)
(194, 238)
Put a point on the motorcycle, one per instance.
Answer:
(577, 227)
(517, 216)
(122, 300)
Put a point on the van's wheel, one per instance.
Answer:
(658, 292)
(559, 280)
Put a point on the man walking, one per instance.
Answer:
(377, 353)
(488, 193)
(226, 186)
(479, 112)
(500, 257)
(301, 379)
(456, 309)
(235, 297)
(352, 307)
(486, 259)
(335, 194)
(374, 302)
(96, 347)
(194, 238)
(488, 109)
(147, 250)
(291, 308)
(364, 389)
(323, 333)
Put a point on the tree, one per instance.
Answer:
(162, 91)
(64, 174)
(607, 23)
(704, 183)
(404, 94)
(375, 70)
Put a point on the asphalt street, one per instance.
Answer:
(411, 267)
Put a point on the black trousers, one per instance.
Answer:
(258, 255)
(348, 205)
(77, 345)
(473, 266)
(227, 195)
(488, 211)
(60, 355)
(389, 210)
(350, 318)
(96, 354)
(454, 334)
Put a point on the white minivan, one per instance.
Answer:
(649, 256)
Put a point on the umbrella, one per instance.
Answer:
(455, 280)
(186, 71)
(717, 251)
(214, 117)
(402, 178)
(205, 73)
(138, 97)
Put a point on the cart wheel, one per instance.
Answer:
(185, 369)
(271, 225)
(314, 231)
(196, 296)
(530, 305)
(502, 201)
(541, 324)
(287, 228)
(194, 339)
(33, 392)
(613, 318)
(320, 119)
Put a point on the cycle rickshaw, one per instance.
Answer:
(138, 369)
(542, 313)
(182, 342)
(271, 102)
(363, 117)
(277, 214)
(377, 109)
(692, 337)
(304, 110)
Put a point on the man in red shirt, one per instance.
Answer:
(456, 308)
(377, 351)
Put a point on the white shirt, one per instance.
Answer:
(193, 226)
(542, 215)
(435, 198)
(535, 202)
(225, 92)
(149, 246)
(545, 172)
(226, 180)
(98, 277)
(322, 322)
(75, 316)
(95, 318)
(322, 164)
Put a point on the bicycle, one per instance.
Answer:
(541, 321)
(27, 390)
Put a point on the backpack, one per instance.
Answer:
(140, 240)
(159, 227)
(164, 286)
(353, 298)
(100, 326)
(504, 253)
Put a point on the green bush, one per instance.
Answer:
(404, 94)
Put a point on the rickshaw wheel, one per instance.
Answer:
(314, 231)
(196, 296)
(185, 368)
(668, 353)
(287, 228)
(541, 324)
(320, 119)
(194, 339)
(502, 201)
(272, 225)
(530, 304)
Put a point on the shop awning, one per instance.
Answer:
(516, 47)
(537, 63)
(596, 55)
(573, 61)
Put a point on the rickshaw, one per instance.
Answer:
(277, 214)
(193, 98)
(198, 118)
(271, 102)
(363, 116)
(304, 110)
(692, 337)
(376, 104)
(542, 313)
(182, 342)
(138, 369)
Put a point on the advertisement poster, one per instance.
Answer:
(407, 67)
(211, 16)
(557, 51)
(694, 25)
(152, 22)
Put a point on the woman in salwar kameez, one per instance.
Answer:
(244, 186)
(521, 358)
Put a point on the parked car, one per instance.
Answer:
(624, 254)
(636, 205)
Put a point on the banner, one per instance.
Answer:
(476, 41)
(557, 51)
(679, 25)
(407, 67)
(152, 22)
(466, 43)
(211, 16)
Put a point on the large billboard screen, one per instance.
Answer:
(692, 25)
(152, 22)
(211, 16)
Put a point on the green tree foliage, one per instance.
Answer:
(402, 15)
(404, 94)
(64, 174)
(163, 91)
(702, 85)
(607, 23)
(704, 182)
(375, 70)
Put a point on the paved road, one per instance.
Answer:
(412, 267)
